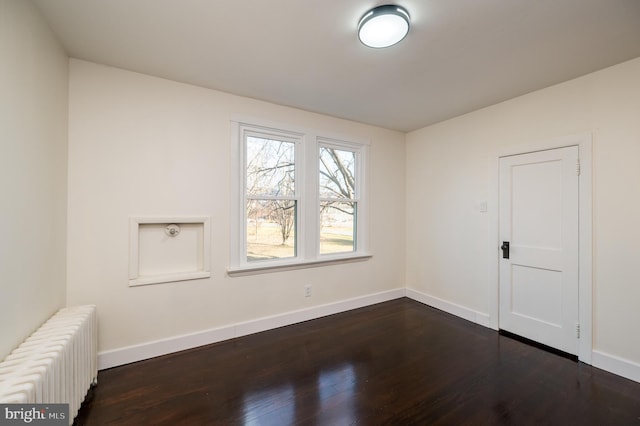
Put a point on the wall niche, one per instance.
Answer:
(168, 249)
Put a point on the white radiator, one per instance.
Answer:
(56, 364)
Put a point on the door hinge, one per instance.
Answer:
(577, 331)
(578, 167)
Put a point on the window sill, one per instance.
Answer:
(267, 268)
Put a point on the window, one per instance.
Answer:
(271, 198)
(338, 204)
(297, 199)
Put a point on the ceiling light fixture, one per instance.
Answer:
(383, 26)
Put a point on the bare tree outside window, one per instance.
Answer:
(271, 203)
(337, 200)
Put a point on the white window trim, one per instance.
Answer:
(308, 244)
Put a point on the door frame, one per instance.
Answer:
(584, 143)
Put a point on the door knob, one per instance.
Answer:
(505, 249)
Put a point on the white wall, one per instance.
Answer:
(144, 146)
(33, 136)
(448, 174)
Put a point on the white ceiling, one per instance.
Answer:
(460, 55)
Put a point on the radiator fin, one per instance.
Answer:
(56, 364)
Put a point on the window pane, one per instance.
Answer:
(271, 229)
(337, 173)
(337, 227)
(270, 167)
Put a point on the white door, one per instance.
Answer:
(539, 221)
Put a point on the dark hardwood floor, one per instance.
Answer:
(396, 363)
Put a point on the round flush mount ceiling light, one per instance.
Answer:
(383, 26)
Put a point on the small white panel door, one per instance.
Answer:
(539, 221)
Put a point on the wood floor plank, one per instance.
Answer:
(395, 363)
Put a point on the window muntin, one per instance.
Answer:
(271, 198)
(338, 201)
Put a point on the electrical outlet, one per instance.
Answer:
(307, 290)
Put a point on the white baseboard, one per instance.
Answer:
(129, 354)
(616, 365)
(113, 358)
(451, 308)
(611, 363)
